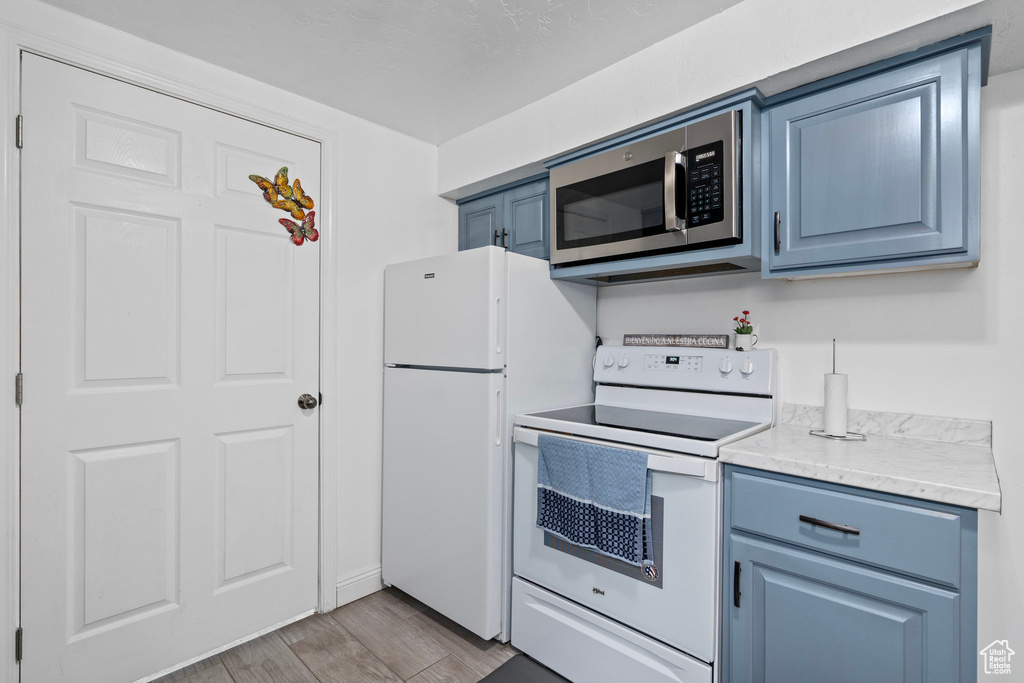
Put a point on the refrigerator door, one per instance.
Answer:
(447, 311)
(444, 446)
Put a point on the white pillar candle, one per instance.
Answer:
(835, 404)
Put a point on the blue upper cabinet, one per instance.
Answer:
(526, 215)
(515, 218)
(480, 221)
(876, 173)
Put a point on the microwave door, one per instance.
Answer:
(675, 192)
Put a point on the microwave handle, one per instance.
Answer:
(675, 218)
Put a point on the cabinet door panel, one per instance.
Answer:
(526, 215)
(808, 618)
(875, 170)
(478, 221)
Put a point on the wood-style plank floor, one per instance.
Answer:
(385, 637)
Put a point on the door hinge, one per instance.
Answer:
(19, 125)
(17, 644)
(19, 388)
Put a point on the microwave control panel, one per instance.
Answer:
(705, 166)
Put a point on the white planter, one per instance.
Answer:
(745, 342)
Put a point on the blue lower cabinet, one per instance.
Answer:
(807, 596)
(515, 218)
(804, 617)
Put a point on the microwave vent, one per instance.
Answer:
(688, 271)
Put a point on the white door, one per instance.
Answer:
(442, 502)
(447, 311)
(169, 324)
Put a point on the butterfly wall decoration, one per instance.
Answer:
(303, 232)
(292, 199)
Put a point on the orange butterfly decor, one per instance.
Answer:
(292, 199)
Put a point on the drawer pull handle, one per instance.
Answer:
(853, 531)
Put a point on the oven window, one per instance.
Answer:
(618, 206)
(617, 565)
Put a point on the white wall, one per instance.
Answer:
(389, 193)
(384, 207)
(944, 343)
(773, 43)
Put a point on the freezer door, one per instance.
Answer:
(446, 311)
(442, 492)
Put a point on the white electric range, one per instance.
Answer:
(595, 619)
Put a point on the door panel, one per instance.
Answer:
(124, 558)
(447, 311)
(110, 248)
(254, 342)
(169, 479)
(254, 503)
(442, 485)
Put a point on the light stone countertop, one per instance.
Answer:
(937, 459)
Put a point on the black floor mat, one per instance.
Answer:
(522, 669)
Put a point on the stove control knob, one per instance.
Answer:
(609, 360)
(725, 367)
(747, 367)
(624, 361)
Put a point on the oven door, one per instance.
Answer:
(680, 608)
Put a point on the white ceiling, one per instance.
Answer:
(433, 69)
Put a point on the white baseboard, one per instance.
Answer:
(359, 585)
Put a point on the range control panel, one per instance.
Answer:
(656, 361)
(722, 370)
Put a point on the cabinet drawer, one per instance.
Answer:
(904, 538)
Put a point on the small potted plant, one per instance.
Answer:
(744, 329)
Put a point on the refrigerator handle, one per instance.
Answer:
(498, 426)
(497, 324)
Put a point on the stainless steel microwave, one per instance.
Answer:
(676, 191)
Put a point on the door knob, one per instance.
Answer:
(307, 402)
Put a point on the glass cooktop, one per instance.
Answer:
(673, 424)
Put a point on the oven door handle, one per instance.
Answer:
(686, 465)
(675, 216)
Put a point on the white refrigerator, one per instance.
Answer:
(471, 339)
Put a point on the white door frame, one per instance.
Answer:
(13, 41)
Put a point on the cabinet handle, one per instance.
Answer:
(853, 531)
(494, 240)
(736, 569)
(778, 231)
(504, 235)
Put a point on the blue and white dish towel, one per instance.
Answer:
(596, 497)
